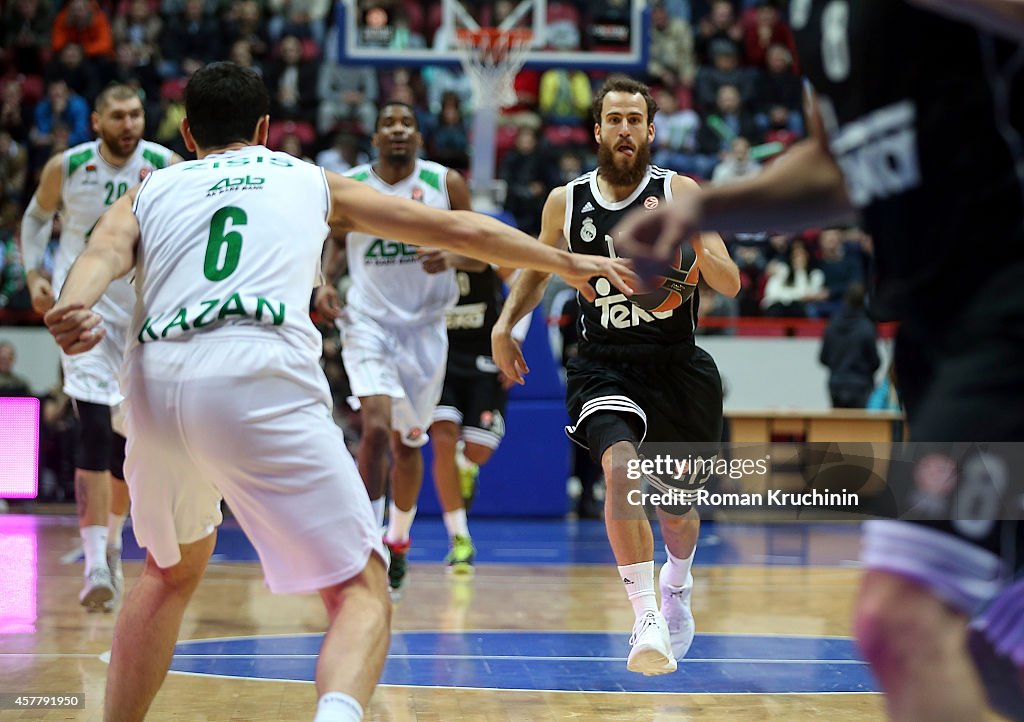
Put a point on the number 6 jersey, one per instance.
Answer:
(230, 245)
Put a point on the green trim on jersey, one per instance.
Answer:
(78, 159)
(361, 176)
(431, 178)
(155, 159)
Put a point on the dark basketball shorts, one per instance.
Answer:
(473, 398)
(664, 394)
(961, 381)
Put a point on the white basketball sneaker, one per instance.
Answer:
(98, 590)
(652, 651)
(675, 607)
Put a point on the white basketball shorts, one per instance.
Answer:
(247, 418)
(407, 364)
(93, 376)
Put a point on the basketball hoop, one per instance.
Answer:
(492, 57)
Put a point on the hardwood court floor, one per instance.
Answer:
(49, 644)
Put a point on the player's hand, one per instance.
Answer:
(651, 238)
(41, 291)
(327, 302)
(505, 382)
(508, 355)
(618, 271)
(74, 327)
(434, 260)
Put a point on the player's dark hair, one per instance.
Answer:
(623, 84)
(396, 104)
(223, 104)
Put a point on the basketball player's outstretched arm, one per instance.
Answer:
(525, 293)
(109, 255)
(435, 261)
(713, 259)
(802, 189)
(357, 207)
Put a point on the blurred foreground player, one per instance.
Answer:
(895, 82)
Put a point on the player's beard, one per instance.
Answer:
(624, 176)
(113, 143)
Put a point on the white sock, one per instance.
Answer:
(115, 527)
(338, 707)
(94, 544)
(455, 522)
(638, 579)
(677, 572)
(399, 524)
(378, 510)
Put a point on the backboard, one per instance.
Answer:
(596, 35)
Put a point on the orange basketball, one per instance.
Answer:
(674, 286)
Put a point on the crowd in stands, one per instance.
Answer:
(725, 75)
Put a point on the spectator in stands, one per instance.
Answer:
(141, 29)
(523, 170)
(83, 22)
(675, 138)
(244, 21)
(736, 164)
(241, 54)
(850, 351)
(26, 34)
(449, 141)
(13, 163)
(672, 59)
(129, 69)
(15, 112)
(762, 28)
(724, 70)
(177, 7)
(792, 284)
(12, 273)
(11, 384)
(60, 108)
(190, 41)
(715, 305)
(725, 123)
(779, 85)
(779, 130)
(71, 66)
(719, 24)
(302, 18)
(840, 269)
(750, 259)
(343, 155)
(565, 97)
(292, 83)
(348, 97)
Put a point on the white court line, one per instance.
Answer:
(529, 658)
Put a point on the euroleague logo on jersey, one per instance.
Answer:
(651, 202)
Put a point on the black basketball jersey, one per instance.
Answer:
(924, 115)
(589, 219)
(470, 321)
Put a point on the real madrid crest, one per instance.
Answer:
(588, 231)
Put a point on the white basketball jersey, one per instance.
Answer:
(90, 185)
(388, 280)
(230, 245)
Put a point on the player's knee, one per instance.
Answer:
(444, 434)
(896, 619)
(615, 462)
(376, 434)
(95, 437)
(478, 453)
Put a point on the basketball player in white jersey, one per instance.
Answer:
(225, 393)
(393, 333)
(81, 183)
(610, 395)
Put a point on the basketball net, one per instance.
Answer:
(492, 58)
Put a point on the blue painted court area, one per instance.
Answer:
(555, 661)
(558, 541)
